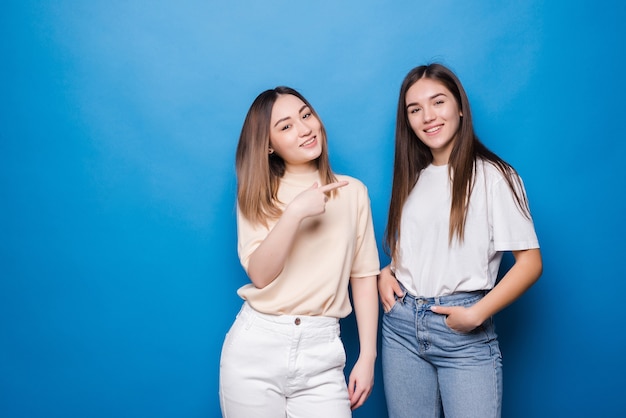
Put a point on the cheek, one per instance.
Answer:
(453, 115)
(415, 126)
(278, 141)
(314, 122)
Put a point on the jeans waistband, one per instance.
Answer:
(453, 299)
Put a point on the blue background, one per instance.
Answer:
(118, 127)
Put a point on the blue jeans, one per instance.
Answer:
(430, 370)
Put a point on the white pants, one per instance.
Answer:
(283, 366)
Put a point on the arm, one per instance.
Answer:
(365, 299)
(523, 274)
(388, 288)
(268, 260)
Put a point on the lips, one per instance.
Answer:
(309, 142)
(434, 129)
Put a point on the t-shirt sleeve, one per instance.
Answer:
(366, 261)
(249, 238)
(512, 229)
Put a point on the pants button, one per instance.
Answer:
(297, 321)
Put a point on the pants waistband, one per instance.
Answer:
(291, 320)
(453, 299)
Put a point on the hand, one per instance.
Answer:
(459, 318)
(360, 382)
(312, 201)
(388, 289)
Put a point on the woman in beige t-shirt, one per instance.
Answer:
(304, 236)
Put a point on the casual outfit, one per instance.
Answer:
(428, 368)
(283, 355)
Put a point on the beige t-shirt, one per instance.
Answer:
(328, 250)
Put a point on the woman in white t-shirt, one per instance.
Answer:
(304, 236)
(455, 208)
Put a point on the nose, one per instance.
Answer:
(428, 114)
(303, 128)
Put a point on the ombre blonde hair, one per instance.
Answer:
(258, 172)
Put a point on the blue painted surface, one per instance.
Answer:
(118, 126)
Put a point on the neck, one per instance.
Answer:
(309, 167)
(440, 158)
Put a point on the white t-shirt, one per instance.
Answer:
(427, 265)
(328, 250)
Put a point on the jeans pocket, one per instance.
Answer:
(340, 352)
(445, 323)
(393, 308)
(464, 304)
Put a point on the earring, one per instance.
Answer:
(270, 151)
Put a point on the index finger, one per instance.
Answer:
(332, 186)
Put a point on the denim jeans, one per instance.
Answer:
(283, 366)
(430, 370)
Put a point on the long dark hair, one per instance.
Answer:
(412, 156)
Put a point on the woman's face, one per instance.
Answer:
(434, 116)
(295, 134)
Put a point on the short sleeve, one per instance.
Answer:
(366, 261)
(249, 238)
(512, 229)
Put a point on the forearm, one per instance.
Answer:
(365, 299)
(522, 275)
(268, 260)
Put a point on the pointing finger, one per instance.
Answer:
(333, 186)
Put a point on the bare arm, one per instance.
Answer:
(365, 299)
(523, 274)
(268, 260)
(388, 288)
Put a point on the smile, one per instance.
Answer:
(308, 142)
(433, 129)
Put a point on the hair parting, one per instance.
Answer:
(412, 156)
(259, 171)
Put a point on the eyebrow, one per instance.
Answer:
(289, 117)
(430, 98)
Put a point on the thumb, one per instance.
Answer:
(398, 290)
(314, 186)
(351, 386)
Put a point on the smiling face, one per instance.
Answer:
(434, 116)
(295, 134)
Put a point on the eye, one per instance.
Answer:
(439, 102)
(306, 115)
(414, 109)
(285, 127)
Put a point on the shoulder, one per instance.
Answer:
(344, 177)
(354, 191)
(353, 182)
(494, 173)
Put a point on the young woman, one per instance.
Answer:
(305, 235)
(455, 208)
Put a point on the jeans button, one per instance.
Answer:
(297, 321)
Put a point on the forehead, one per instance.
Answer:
(424, 89)
(286, 105)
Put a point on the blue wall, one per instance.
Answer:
(118, 126)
